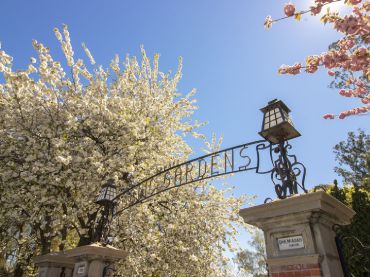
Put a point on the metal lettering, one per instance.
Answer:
(200, 176)
(187, 171)
(244, 167)
(167, 179)
(228, 161)
(178, 176)
(213, 163)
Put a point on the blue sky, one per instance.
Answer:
(228, 56)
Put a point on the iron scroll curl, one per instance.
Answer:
(287, 171)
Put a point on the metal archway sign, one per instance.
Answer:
(287, 174)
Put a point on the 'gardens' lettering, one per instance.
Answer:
(223, 162)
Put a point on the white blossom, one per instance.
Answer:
(62, 137)
(88, 54)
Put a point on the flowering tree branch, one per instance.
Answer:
(349, 54)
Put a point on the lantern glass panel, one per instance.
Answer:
(272, 118)
(102, 194)
(277, 125)
(110, 193)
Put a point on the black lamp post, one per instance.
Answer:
(278, 128)
(106, 201)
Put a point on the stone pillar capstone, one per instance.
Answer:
(299, 235)
(54, 264)
(90, 260)
(84, 261)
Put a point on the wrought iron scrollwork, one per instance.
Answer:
(287, 174)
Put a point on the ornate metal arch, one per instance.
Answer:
(287, 174)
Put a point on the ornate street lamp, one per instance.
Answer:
(277, 126)
(106, 201)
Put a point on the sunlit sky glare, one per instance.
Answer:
(315, 25)
(228, 56)
(334, 7)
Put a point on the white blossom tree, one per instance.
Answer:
(64, 133)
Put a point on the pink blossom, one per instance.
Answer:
(366, 100)
(354, 111)
(316, 9)
(349, 55)
(328, 60)
(312, 63)
(354, 2)
(311, 69)
(347, 93)
(289, 9)
(361, 52)
(331, 73)
(346, 43)
(361, 91)
(328, 116)
(293, 70)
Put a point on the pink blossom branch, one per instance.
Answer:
(289, 13)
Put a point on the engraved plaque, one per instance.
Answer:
(290, 243)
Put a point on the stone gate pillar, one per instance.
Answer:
(298, 234)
